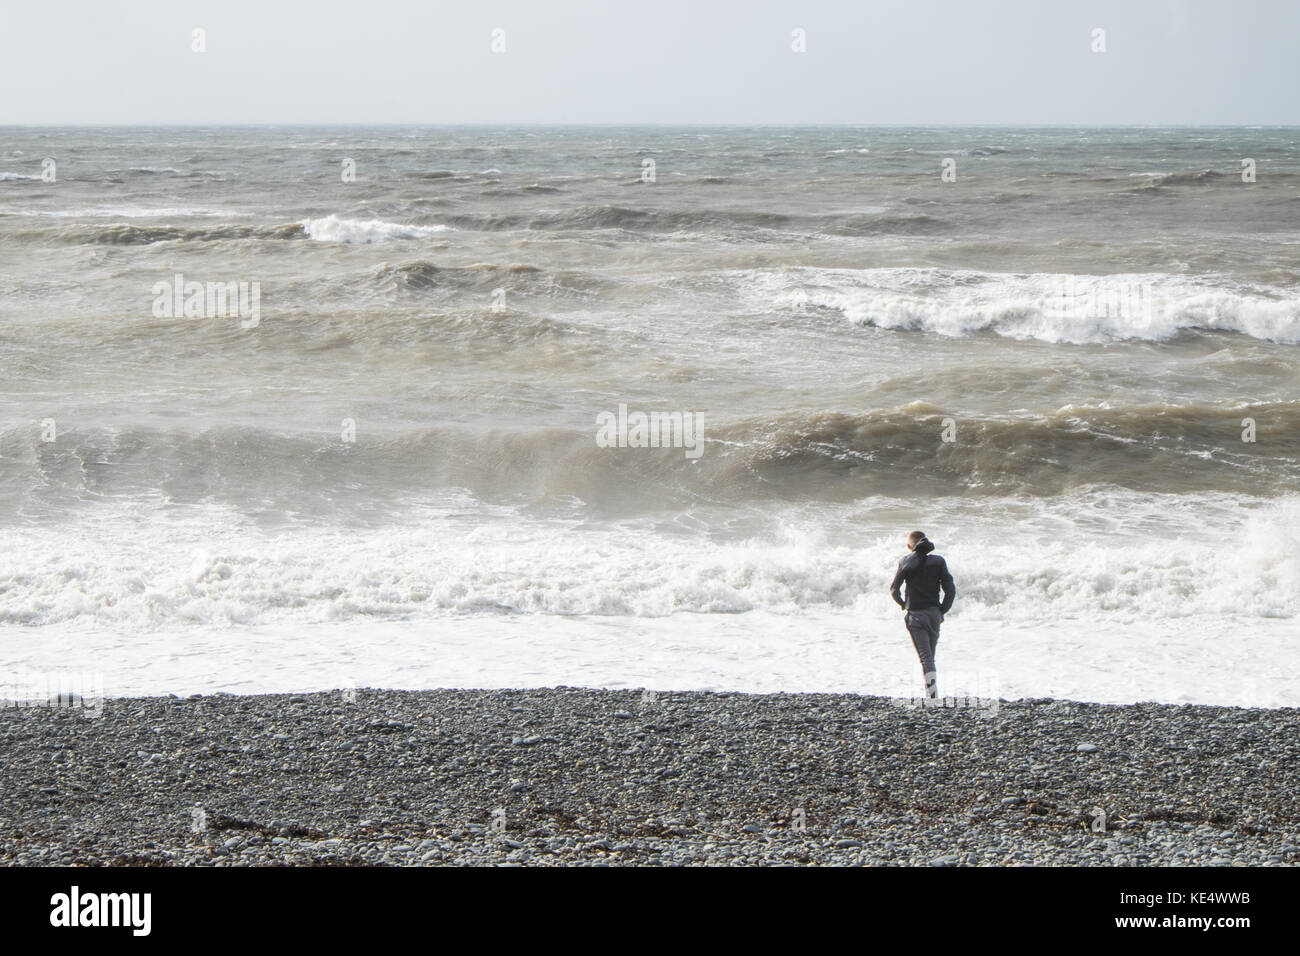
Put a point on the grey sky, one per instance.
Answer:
(668, 61)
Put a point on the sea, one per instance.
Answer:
(309, 408)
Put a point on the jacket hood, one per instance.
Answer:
(924, 546)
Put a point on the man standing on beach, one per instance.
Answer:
(924, 573)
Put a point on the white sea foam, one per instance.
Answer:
(1049, 307)
(1165, 661)
(334, 229)
(204, 602)
(195, 571)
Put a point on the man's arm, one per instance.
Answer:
(896, 584)
(949, 589)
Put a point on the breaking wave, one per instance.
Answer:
(206, 567)
(334, 229)
(1048, 307)
(799, 456)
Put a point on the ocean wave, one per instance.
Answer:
(126, 212)
(798, 456)
(426, 277)
(208, 567)
(127, 234)
(333, 229)
(618, 217)
(881, 225)
(630, 220)
(865, 221)
(1200, 177)
(1048, 307)
(147, 170)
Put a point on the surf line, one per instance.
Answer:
(651, 430)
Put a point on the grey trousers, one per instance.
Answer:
(923, 625)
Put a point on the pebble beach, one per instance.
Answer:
(572, 776)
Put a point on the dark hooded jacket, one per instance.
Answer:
(924, 573)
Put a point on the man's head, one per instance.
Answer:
(913, 538)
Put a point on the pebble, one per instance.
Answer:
(420, 779)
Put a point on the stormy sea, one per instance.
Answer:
(296, 408)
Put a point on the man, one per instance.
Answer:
(924, 573)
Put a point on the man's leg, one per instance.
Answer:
(936, 618)
(923, 639)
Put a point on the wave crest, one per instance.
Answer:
(1056, 308)
(333, 229)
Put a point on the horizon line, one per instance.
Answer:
(615, 125)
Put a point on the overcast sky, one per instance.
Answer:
(661, 61)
